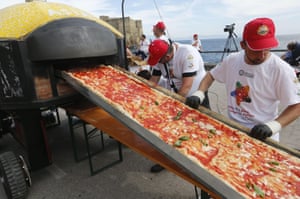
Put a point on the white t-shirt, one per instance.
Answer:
(186, 60)
(144, 45)
(197, 44)
(255, 91)
(163, 37)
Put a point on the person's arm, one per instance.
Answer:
(155, 79)
(187, 83)
(200, 48)
(206, 82)
(262, 131)
(129, 53)
(197, 98)
(195, 43)
(289, 114)
(155, 76)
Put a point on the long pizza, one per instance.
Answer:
(249, 166)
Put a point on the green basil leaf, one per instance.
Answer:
(184, 138)
(274, 163)
(258, 191)
(177, 143)
(177, 117)
(203, 142)
(273, 169)
(213, 131)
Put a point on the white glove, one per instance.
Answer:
(274, 126)
(262, 131)
(200, 95)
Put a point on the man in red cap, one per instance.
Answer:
(256, 81)
(197, 43)
(159, 31)
(181, 65)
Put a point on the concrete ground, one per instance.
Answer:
(130, 179)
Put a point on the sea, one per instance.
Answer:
(218, 48)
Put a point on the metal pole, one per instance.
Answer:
(124, 38)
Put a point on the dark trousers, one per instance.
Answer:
(141, 53)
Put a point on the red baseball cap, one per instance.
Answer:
(157, 49)
(259, 34)
(160, 25)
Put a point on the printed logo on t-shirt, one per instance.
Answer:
(191, 62)
(190, 57)
(241, 113)
(245, 73)
(297, 82)
(241, 93)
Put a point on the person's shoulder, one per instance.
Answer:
(165, 38)
(185, 47)
(181, 45)
(188, 50)
(233, 58)
(277, 63)
(235, 55)
(297, 49)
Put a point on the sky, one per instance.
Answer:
(184, 18)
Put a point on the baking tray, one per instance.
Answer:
(200, 174)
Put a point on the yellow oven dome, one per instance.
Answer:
(21, 19)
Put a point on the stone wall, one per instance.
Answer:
(133, 28)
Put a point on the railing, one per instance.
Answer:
(218, 51)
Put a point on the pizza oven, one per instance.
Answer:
(37, 40)
(28, 78)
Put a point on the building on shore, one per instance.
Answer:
(133, 28)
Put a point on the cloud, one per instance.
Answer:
(236, 8)
(92, 6)
(184, 18)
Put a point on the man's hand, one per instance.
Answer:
(262, 131)
(195, 99)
